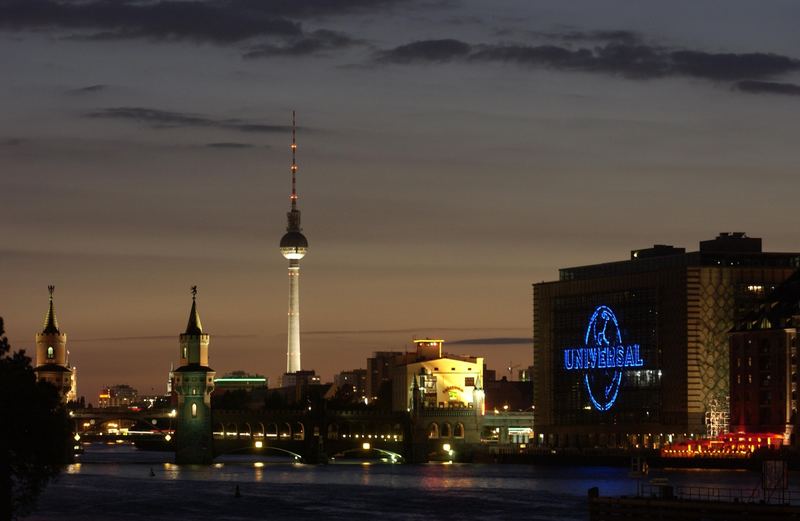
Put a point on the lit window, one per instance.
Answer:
(184, 352)
(194, 410)
(50, 353)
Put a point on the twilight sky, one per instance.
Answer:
(451, 153)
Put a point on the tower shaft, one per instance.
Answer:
(293, 248)
(293, 343)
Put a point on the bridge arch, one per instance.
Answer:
(272, 430)
(299, 431)
(219, 430)
(285, 430)
(433, 431)
(259, 430)
(458, 431)
(333, 431)
(447, 430)
(246, 430)
(232, 430)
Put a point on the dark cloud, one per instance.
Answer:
(635, 61)
(631, 60)
(214, 21)
(229, 145)
(728, 66)
(615, 35)
(768, 87)
(89, 89)
(493, 341)
(168, 119)
(426, 51)
(154, 337)
(415, 331)
(312, 43)
(12, 142)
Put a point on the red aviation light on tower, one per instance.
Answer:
(293, 244)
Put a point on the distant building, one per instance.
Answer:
(635, 352)
(379, 371)
(120, 395)
(763, 365)
(508, 395)
(240, 381)
(352, 383)
(52, 363)
(295, 386)
(440, 381)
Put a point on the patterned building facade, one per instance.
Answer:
(673, 310)
(763, 365)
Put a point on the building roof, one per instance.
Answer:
(52, 368)
(727, 250)
(778, 309)
(50, 322)
(194, 327)
(193, 368)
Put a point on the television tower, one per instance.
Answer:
(293, 248)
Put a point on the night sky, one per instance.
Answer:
(451, 153)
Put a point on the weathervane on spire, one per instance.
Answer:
(194, 292)
(51, 289)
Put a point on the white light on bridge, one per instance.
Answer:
(365, 446)
(77, 437)
(167, 437)
(259, 444)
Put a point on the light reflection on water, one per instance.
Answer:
(127, 462)
(119, 482)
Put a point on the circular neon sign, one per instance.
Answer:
(603, 385)
(602, 358)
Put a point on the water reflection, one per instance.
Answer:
(127, 462)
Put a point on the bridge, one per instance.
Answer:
(309, 435)
(313, 436)
(133, 424)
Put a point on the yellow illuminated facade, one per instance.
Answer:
(440, 381)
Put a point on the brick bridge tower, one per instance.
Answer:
(194, 382)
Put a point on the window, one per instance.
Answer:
(184, 353)
(469, 381)
(50, 353)
(194, 410)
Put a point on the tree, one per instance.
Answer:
(35, 432)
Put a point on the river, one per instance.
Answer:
(114, 482)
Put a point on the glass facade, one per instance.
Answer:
(639, 398)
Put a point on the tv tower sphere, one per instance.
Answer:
(294, 245)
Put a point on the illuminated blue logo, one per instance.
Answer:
(602, 358)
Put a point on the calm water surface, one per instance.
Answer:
(115, 482)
